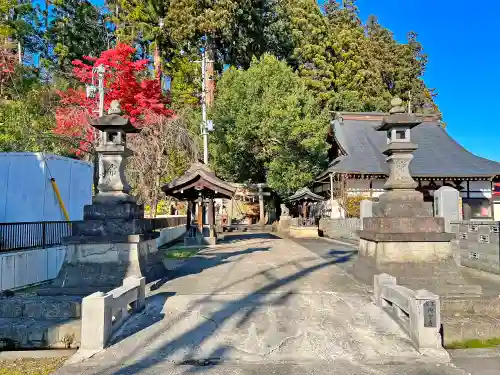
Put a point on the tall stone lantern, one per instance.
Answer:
(401, 197)
(113, 212)
(113, 152)
(402, 237)
(114, 241)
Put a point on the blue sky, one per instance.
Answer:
(461, 40)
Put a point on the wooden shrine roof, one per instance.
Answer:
(304, 194)
(199, 180)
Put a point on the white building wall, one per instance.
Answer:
(26, 267)
(26, 193)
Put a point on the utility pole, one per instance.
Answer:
(206, 125)
(92, 90)
(204, 130)
(409, 102)
(100, 70)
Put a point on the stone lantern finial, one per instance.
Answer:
(397, 106)
(115, 108)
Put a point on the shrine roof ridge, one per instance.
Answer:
(438, 155)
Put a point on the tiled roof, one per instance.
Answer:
(304, 193)
(438, 155)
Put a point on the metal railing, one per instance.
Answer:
(28, 235)
(165, 222)
(42, 234)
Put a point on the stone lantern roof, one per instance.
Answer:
(398, 118)
(114, 120)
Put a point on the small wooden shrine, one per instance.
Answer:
(303, 201)
(199, 186)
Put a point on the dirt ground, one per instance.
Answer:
(30, 366)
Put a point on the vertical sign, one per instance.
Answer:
(430, 314)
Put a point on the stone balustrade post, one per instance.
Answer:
(378, 283)
(425, 320)
(97, 319)
(140, 283)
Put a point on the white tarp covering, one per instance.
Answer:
(26, 193)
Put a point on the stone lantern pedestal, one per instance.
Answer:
(403, 238)
(114, 241)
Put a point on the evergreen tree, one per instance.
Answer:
(77, 28)
(269, 127)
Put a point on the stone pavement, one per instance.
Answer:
(261, 306)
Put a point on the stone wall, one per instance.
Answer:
(168, 235)
(26, 267)
(346, 228)
(477, 244)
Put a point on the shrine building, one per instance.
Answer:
(357, 163)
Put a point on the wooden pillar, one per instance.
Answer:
(188, 215)
(230, 212)
(210, 212)
(200, 216)
(261, 206)
(331, 195)
(210, 217)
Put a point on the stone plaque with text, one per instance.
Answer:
(430, 314)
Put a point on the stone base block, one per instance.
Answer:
(402, 203)
(442, 278)
(200, 240)
(303, 232)
(404, 251)
(123, 210)
(22, 333)
(97, 266)
(110, 227)
(406, 237)
(404, 224)
(113, 197)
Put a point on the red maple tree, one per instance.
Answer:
(124, 80)
(8, 61)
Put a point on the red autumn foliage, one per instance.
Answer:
(8, 61)
(125, 80)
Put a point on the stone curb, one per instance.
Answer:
(475, 353)
(17, 354)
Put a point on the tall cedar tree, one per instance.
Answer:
(77, 28)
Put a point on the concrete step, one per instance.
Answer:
(337, 367)
(30, 333)
(34, 307)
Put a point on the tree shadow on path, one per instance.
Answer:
(193, 338)
(206, 259)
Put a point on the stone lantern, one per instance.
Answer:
(400, 186)
(113, 153)
(403, 238)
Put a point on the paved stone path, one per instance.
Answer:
(261, 306)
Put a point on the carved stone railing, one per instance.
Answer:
(417, 312)
(104, 313)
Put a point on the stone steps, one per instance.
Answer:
(33, 307)
(30, 333)
(32, 322)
